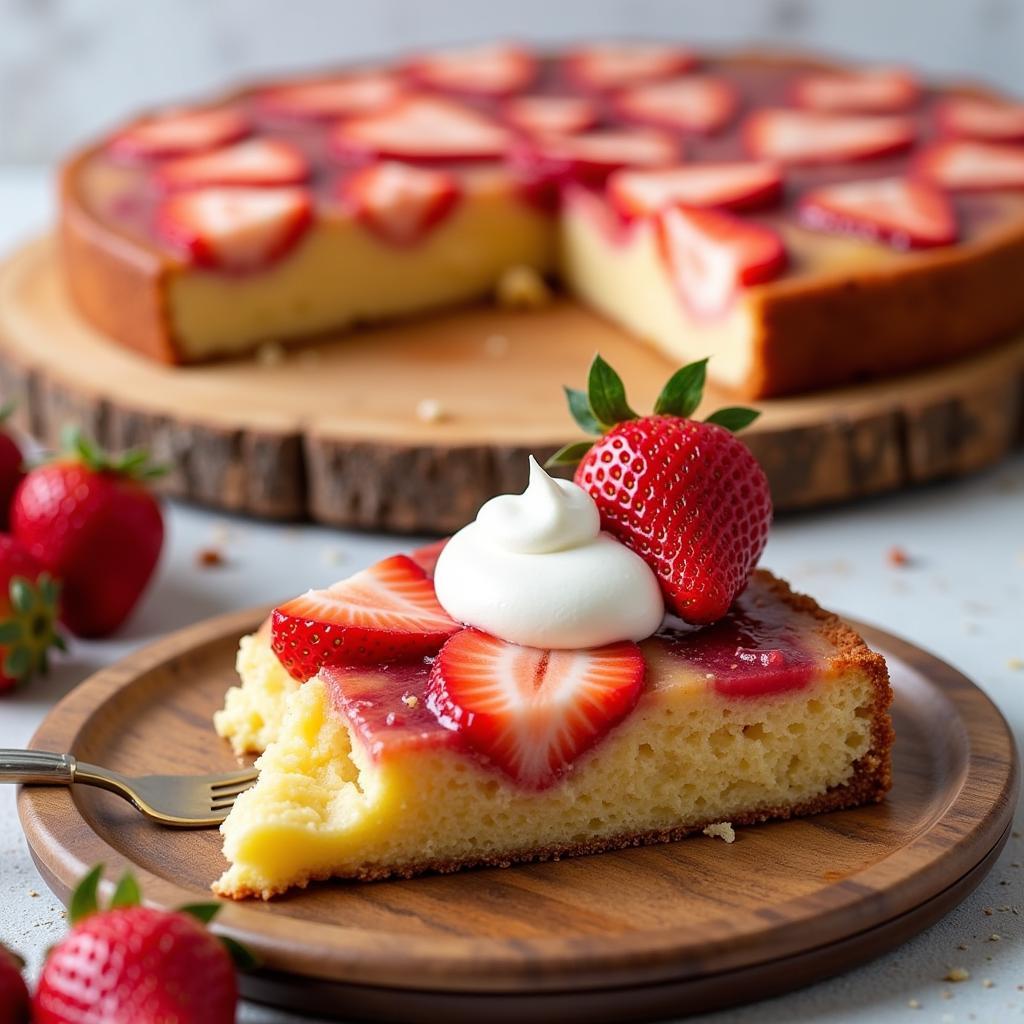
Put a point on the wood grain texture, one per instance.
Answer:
(618, 936)
(331, 431)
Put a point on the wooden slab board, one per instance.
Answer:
(331, 431)
(657, 931)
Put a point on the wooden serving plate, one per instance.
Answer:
(331, 431)
(637, 934)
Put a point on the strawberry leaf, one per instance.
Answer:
(569, 455)
(21, 594)
(734, 418)
(579, 406)
(18, 663)
(127, 893)
(607, 394)
(202, 912)
(11, 631)
(682, 394)
(243, 957)
(84, 900)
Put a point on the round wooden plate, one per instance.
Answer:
(619, 936)
(330, 431)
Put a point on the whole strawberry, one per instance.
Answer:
(91, 520)
(28, 614)
(137, 965)
(684, 494)
(14, 1000)
(11, 466)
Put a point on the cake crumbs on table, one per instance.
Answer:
(914, 1004)
(995, 937)
(987, 983)
(957, 974)
(898, 556)
(210, 558)
(721, 830)
(1015, 664)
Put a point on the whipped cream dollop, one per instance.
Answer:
(535, 569)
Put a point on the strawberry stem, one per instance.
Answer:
(127, 893)
(85, 898)
(132, 463)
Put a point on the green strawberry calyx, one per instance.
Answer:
(603, 405)
(29, 631)
(134, 463)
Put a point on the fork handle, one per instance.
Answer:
(37, 766)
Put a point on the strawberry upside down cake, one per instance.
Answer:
(586, 666)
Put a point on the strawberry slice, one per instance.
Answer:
(234, 228)
(870, 91)
(806, 137)
(383, 614)
(699, 103)
(905, 213)
(253, 162)
(331, 98)
(177, 133)
(980, 118)
(966, 166)
(712, 255)
(399, 202)
(743, 185)
(605, 66)
(499, 69)
(423, 128)
(532, 712)
(550, 115)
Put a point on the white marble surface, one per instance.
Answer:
(963, 598)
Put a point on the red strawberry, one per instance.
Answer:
(399, 202)
(12, 466)
(179, 132)
(905, 213)
(616, 65)
(685, 495)
(385, 613)
(972, 166)
(697, 103)
(422, 128)
(712, 255)
(93, 523)
(807, 137)
(976, 117)
(869, 91)
(495, 69)
(255, 162)
(330, 98)
(14, 997)
(550, 115)
(529, 711)
(236, 229)
(743, 185)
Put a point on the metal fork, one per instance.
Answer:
(180, 801)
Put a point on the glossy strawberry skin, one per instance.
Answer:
(14, 997)
(137, 965)
(690, 499)
(11, 474)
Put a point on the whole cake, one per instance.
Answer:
(808, 224)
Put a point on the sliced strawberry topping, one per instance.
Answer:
(422, 128)
(234, 228)
(698, 103)
(732, 186)
(551, 115)
(253, 162)
(180, 132)
(972, 166)
(905, 213)
(871, 91)
(616, 65)
(499, 69)
(399, 202)
(979, 118)
(711, 255)
(805, 137)
(333, 97)
(532, 712)
(383, 614)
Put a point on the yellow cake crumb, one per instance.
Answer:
(522, 287)
(956, 974)
(721, 830)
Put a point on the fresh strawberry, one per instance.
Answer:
(399, 202)
(550, 115)
(383, 614)
(605, 66)
(905, 213)
(331, 98)
(15, 1004)
(743, 185)
(92, 522)
(701, 104)
(870, 91)
(711, 256)
(495, 69)
(808, 137)
(532, 712)
(235, 229)
(422, 128)
(685, 495)
(975, 117)
(131, 964)
(12, 466)
(180, 132)
(254, 162)
(426, 557)
(966, 166)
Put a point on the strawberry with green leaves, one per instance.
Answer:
(685, 494)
